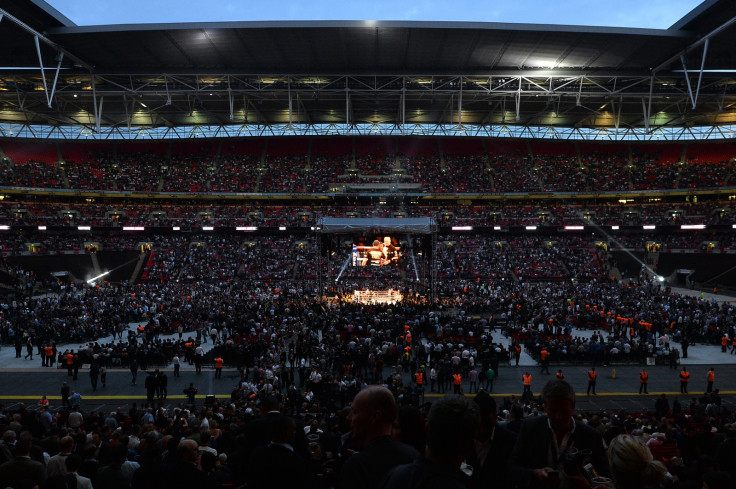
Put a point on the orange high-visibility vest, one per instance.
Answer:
(724, 340)
(419, 378)
(544, 354)
(457, 379)
(643, 377)
(711, 376)
(684, 376)
(218, 362)
(527, 379)
(592, 375)
(69, 359)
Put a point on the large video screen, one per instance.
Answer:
(382, 251)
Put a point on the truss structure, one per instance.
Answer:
(69, 98)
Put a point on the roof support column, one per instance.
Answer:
(403, 108)
(518, 102)
(347, 105)
(702, 67)
(60, 56)
(98, 109)
(687, 79)
(231, 99)
(460, 104)
(288, 85)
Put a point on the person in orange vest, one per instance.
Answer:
(724, 343)
(527, 380)
(43, 402)
(684, 379)
(218, 367)
(592, 378)
(51, 354)
(457, 381)
(544, 357)
(69, 363)
(643, 381)
(559, 375)
(419, 379)
(710, 378)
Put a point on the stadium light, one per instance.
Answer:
(282, 228)
(462, 228)
(649, 226)
(83, 228)
(133, 228)
(531, 228)
(207, 228)
(42, 228)
(95, 278)
(692, 226)
(4, 228)
(496, 228)
(574, 228)
(614, 228)
(176, 228)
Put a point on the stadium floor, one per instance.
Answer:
(26, 381)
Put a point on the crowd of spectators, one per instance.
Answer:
(35, 213)
(591, 169)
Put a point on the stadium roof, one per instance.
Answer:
(322, 74)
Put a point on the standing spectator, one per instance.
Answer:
(29, 349)
(544, 358)
(684, 379)
(73, 462)
(94, 374)
(643, 381)
(492, 446)
(184, 472)
(69, 358)
(218, 367)
(75, 400)
(134, 369)
(710, 378)
(490, 376)
(65, 391)
(457, 383)
(592, 379)
(372, 415)
(451, 427)
(151, 385)
(176, 362)
(662, 407)
(191, 393)
(75, 366)
(163, 385)
(473, 377)
(57, 464)
(526, 379)
(22, 471)
(277, 464)
(537, 459)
